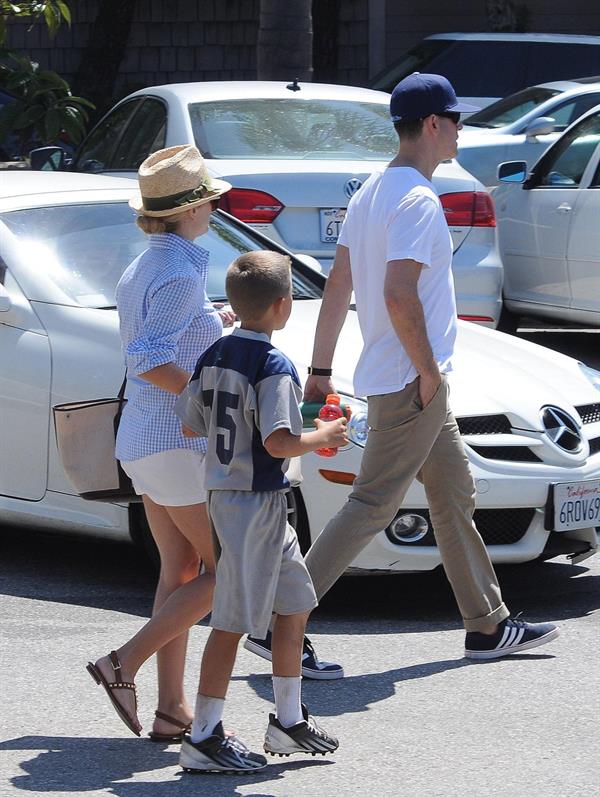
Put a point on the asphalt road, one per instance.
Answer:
(414, 718)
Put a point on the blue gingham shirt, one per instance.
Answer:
(165, 316)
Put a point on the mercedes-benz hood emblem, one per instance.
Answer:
(562, 429)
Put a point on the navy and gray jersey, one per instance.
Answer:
(243, 389)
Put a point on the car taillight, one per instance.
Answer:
(469, 209)
(253, 207)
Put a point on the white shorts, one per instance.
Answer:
(169, 478)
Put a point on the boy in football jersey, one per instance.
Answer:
(244, 397)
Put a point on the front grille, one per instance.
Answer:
(507, 453)
(496, 526)
(594, 445)
(484, 424)
(589, 413)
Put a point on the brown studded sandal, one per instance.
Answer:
(111, 686)
(169, 737)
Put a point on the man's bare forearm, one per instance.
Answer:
(334, 308)
(406, 315)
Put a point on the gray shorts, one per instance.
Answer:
(260, 569)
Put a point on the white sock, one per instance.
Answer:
(287, 699)
(207, 714)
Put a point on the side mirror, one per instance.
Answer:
(540, 127)
(512, 172)
(5, 302)
(48, 159)
(310, 261)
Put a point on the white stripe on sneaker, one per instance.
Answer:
(519, 636)
(511, 638)
(504, 636)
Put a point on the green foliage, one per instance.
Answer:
(44, 106)
(52, 12)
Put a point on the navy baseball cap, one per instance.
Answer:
(419, 95)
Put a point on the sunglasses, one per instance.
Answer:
(214, 203)
(452, 115)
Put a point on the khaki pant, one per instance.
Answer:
(406, 442)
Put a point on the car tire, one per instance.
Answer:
(508, 321)
(140, 533)
(298, 518)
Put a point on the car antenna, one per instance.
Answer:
(294, 86)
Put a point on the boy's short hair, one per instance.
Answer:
(255, 281)
(409, 128)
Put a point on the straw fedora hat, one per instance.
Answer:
(173, 180)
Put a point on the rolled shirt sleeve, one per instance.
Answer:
(170, 309)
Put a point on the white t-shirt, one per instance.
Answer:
(397, 215)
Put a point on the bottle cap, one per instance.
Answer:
(333, 398)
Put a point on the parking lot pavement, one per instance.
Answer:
(413, 717)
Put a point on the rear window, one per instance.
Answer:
(494, 68)
(293, 128)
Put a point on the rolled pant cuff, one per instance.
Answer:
(483, 623)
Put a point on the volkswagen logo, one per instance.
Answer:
(352, 186)
(561, 429)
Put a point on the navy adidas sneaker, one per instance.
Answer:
(312, 667)
(512, 636)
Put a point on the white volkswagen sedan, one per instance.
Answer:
(530, 417)
(549, 230)
(295, 154)
(523, 125)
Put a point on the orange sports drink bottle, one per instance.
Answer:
(330, 411)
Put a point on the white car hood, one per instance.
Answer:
(478, 137)
(493, 373)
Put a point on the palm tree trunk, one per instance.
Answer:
(101, 59)
(285, 40)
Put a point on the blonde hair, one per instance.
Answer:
(255, 281)
(152, 225)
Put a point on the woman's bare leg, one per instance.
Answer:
(183, 597)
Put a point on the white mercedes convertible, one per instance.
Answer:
(530, 418)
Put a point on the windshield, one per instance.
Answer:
(82, 250)
(511, 109)
(293, 128)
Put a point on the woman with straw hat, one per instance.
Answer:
(166, 321)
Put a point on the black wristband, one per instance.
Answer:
(319, 371)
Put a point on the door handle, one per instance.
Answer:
(564, 207)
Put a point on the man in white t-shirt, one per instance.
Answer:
(395, 251)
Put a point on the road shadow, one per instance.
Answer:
(76, 765)
(355, 694)
(114, 576)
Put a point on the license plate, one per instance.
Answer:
(573, 505)
(331, 224)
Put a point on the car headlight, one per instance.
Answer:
(591, 375)
(358, 428)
